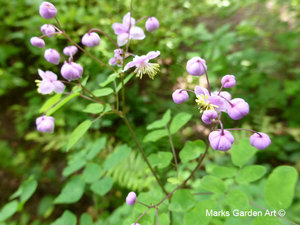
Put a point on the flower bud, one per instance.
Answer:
(228, 81)
(52, 56)
(45, 124)
(71, 71)
(179, 96)
(48, 30)
(48, 10)
(152, 24)
(90, 39)
(260, 140)
(37, 42)
(238, 109)
(131, 198)
(70, 50)
(196, 66)
(208, 116)
(221, 141)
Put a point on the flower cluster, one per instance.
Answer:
(213, 104)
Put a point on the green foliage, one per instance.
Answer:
(67, 218)
(162, 122)
(182, 201)
(8, 210)
(237, 199)
(251, 173)
(192, 150)
(160, 159)
(242, 152)
(213, 184)
(179, 121)
(121, 153)
(94, 108)
(79, 131)
(101, 187)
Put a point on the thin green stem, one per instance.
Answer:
(157, 219)
(123, 94)
(117, 95)
(173, 148)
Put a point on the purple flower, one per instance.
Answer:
(209, 102)
(37, 42)
(48, 10)
(70, 50)
(131, 198)
(48, 30)
(152, 24)
(118, 58)
(71, 71)
(238, 108)
(45, 124)
(260, 140)
(196, 66)
(90, 39)
(221, 141)
(127, 30)
(52, 56)
(228, 81)
(135, 224)
(179, 96)
(143, 66)
(49, 83)
(208, 116)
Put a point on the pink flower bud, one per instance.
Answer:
(221, 141)
(37, 42)
(45, 124)
(48, 10)
(48, 30)
(52, 56)
(228, 81)
(179, 96)
(152, 24)
(70, 50)
(131, 198)
(90, 39)
(238, 109)
(260, 140)
(71, 71)
(196, 66)
(208, 116)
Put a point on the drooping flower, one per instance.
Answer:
(238, 108)
(48, 30)
(131, 198)
(152, 24)
(117, 59)
(143, 66)
(221, 140)
(179, 96)
(260, 140)
(196, 66)
(48, 10)
(49, 83)
(71, 71)
(208, 116)
(91, 39)
(70, 50)
(37, 42)
(45, 124)
(127, 30)
(52, 56)
(228, 81)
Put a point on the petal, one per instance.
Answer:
(59, 87)
(45, 87)
(201, 91)
(130, 64)
(42, 74)
(112, 61)
(119, 28)
(218, 101)
(152, 55)
(50, 76)
(122, 39)
(137, 33)
(127, 19)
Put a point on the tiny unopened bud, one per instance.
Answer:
(152, 24)
(260, 140)
(196, 66)
(48, 10)
(179, 96)
(228, 81)
(45, 124)
(48, 30)
(238, 108)
(71, 71)
(90, 39)
(221, 140)
(70, 50)
(52, 56)
(37, 42)
(131, 198)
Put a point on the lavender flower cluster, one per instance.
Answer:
(213, 104)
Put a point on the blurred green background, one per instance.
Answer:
(256, 40)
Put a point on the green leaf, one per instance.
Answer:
(71, 192)
(50, 102)
(86, 219)
(242, 152)
(46, 207)
(67, 218)
(125, 81)
(237, 199)
(103, 92)
(109, 79)
(223, 171)
(266, 220)
(121, 153)
(61, 103)
(162, 122)
(8, 210)
(78, 133)
(96, 148)
(155, 135)
(74, 166)
(251, 173)
(192, 150)
(101, 187)
(92, 172)
(160, 159)
(182, 201)
(179, 121)
(213, 184)
(94, 108)
(26, 190)
(280, 187)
